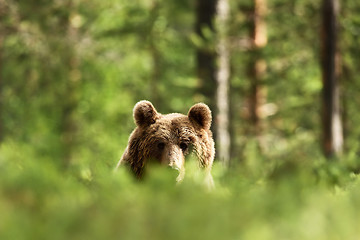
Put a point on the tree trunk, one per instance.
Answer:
(1, 87)
(3, 11)
(331, 115)
(69, 123)
(257, 68)
(222, 77)
(155, 75)
(156, 57)
(205, 55)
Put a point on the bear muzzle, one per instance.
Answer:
(174, 157)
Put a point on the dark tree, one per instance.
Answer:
(69, 126)
(3, 32)
(155, 55)
(205, 54)
(330, 63)
(1, 84)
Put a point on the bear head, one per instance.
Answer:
(168, 138)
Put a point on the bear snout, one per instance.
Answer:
(174, 156)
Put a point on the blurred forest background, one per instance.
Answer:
(281, 77)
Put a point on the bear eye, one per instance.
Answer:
(183, 146)
(161, 146)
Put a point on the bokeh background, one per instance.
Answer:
(282, 80)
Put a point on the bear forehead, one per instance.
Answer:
(174, 121)
(172, 126)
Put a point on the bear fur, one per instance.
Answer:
(168, 138)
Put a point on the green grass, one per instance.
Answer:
(307, 200)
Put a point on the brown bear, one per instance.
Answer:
(168, 138)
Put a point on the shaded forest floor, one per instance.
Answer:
(300, 199)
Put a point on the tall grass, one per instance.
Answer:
(292, 200)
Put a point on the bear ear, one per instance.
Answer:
(200, 114)
(144, 113)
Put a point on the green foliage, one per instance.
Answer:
(70, 74)
(296, 201)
